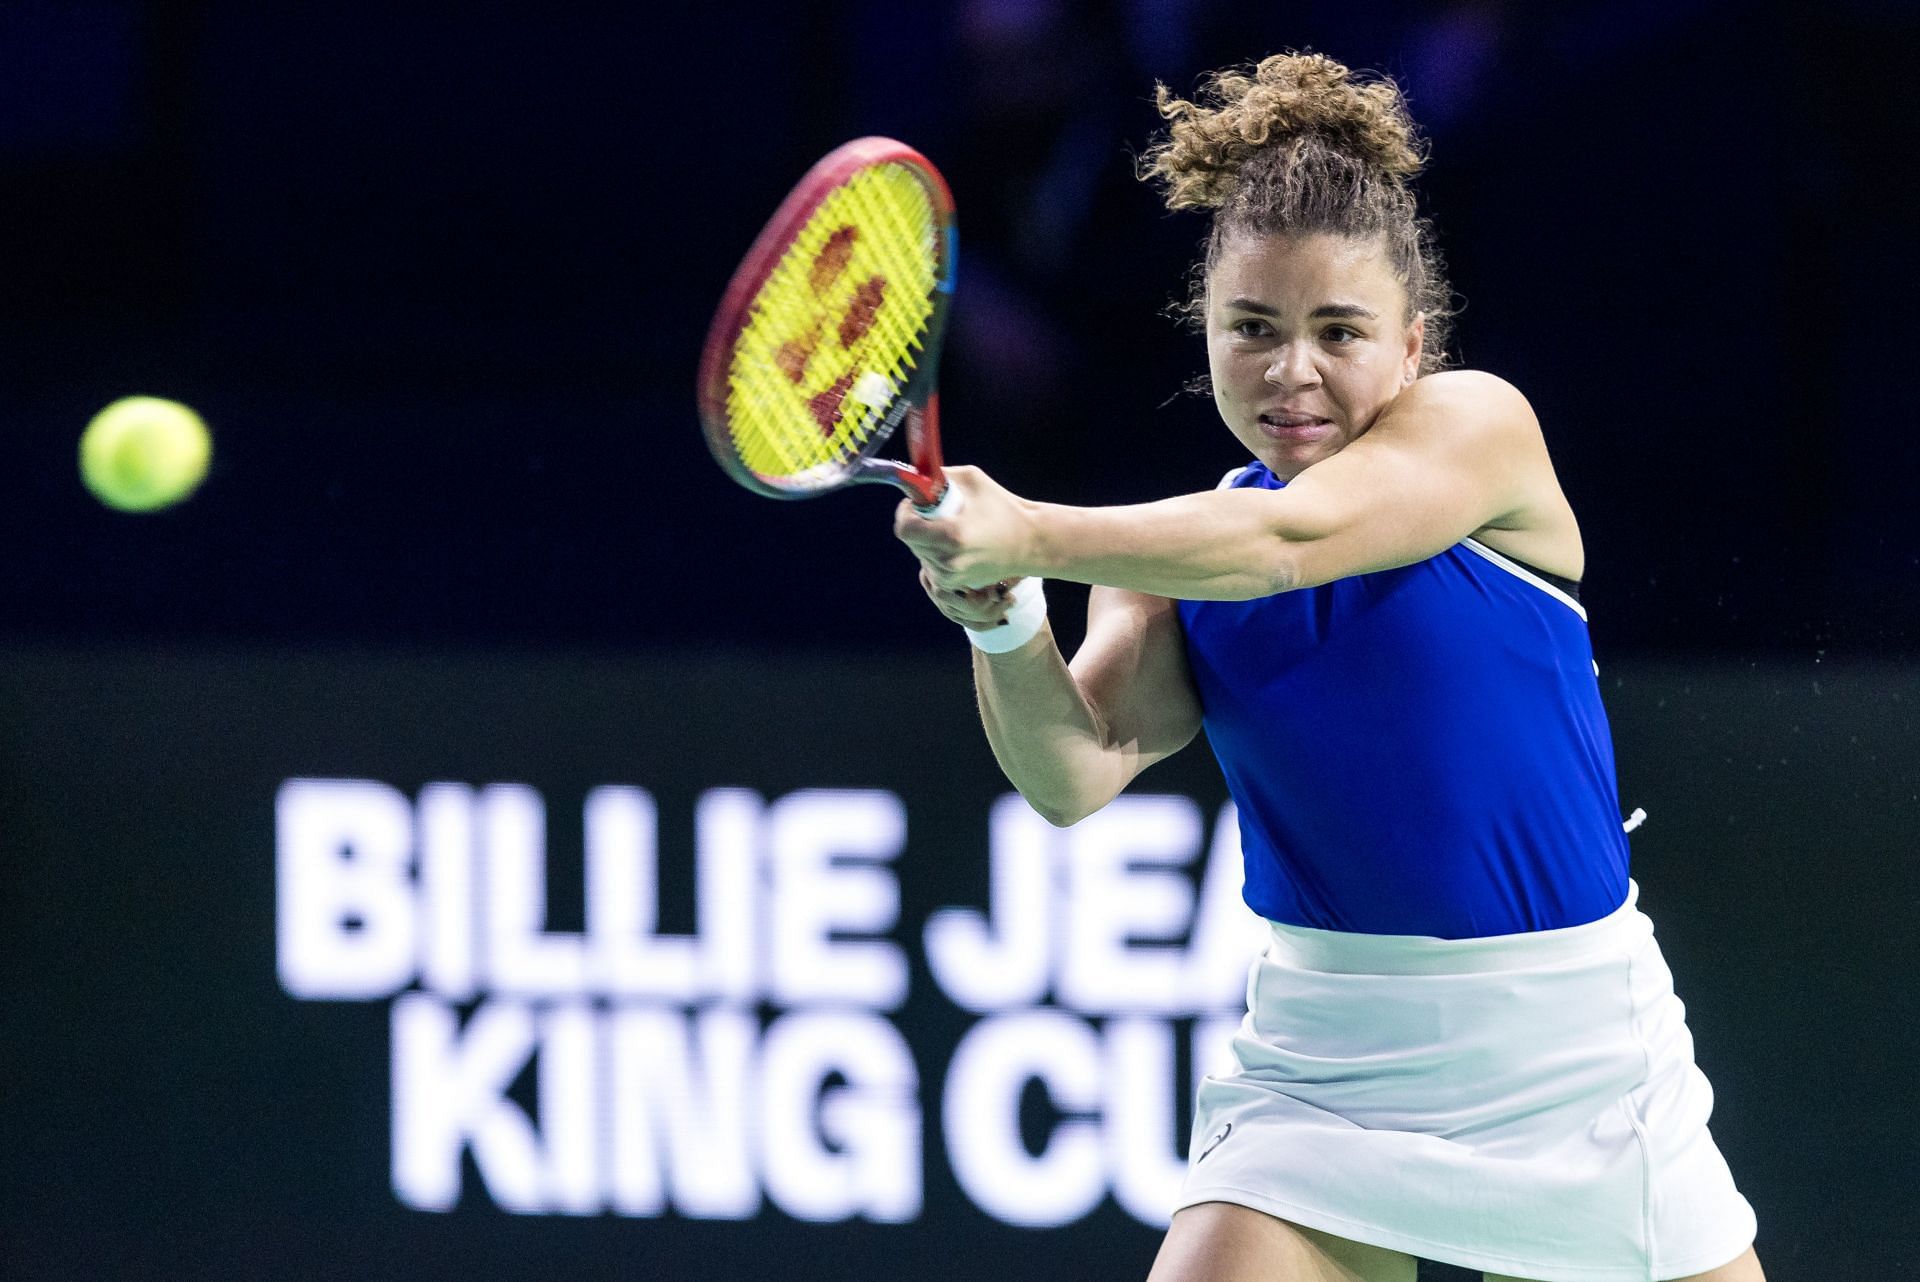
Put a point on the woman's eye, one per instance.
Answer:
(1340, 334)
(1251, 329)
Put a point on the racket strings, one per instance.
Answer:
(833, 334)
(867, 220)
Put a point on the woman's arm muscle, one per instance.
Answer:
(1451, 455)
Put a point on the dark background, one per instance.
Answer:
(439, 285)
(438, 278)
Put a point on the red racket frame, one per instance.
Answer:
(918, 403)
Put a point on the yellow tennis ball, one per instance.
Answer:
(142, 452)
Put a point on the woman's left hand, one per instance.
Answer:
(990, 539)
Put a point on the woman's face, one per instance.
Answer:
(1307, 340)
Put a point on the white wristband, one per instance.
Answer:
(1023, 621)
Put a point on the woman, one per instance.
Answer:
(1462, 1043)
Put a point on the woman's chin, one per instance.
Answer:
(1288, 461)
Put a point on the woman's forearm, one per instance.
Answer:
(1224, 545)
(1047, 737)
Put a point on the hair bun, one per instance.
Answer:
(1286, 100)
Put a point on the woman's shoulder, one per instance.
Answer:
(1462, 376)
(1478, 390)
(1458, 406)
(1543, 531)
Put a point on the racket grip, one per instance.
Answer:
(948, 504)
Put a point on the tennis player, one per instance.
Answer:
(1462, 1043)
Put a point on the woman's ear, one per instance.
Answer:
(1416, 345)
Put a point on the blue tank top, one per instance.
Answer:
(1418, 751)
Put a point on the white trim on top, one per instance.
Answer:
(1226, 482)
(1522, 572)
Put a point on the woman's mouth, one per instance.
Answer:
(1294, 428)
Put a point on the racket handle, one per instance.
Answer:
(948, 504)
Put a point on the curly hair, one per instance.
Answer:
(1299, 144)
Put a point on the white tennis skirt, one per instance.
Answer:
(1523, 1104)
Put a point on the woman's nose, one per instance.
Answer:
(1292, 366)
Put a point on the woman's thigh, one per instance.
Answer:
(1222, 1242)
(1744, 1269)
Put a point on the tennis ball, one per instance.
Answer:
(142, 453)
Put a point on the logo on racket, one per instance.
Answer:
(1214, 1143)
(859, 307)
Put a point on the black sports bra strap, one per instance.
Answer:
(1569, 586)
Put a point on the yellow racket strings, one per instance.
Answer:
(833, 334)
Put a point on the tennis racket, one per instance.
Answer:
(828, 337)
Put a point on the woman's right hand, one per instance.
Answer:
(981, 609)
